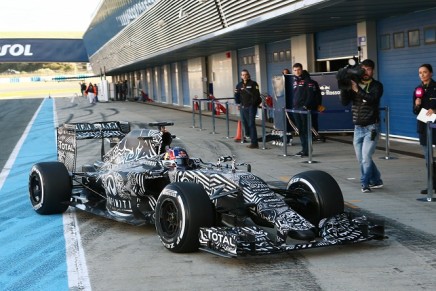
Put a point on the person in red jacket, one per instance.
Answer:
(91, 92)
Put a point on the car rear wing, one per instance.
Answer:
(105, 129)
(69, 133)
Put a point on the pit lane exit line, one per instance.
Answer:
(33, 252)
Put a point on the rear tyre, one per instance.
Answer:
(315, 195)
(181, 209)
(49, 187)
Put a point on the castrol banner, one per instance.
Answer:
(42, 50)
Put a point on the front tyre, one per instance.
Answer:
(315, 195)
(49, 187)
(181, 209)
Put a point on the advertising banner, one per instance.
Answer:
(42, 50)
(335, 118)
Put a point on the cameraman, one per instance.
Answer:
(365, 98)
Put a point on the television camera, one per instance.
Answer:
(352, 71)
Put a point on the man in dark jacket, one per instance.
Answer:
(303, 98)
(365, 98)
(247, 95)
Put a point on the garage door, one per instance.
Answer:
(278, 57)
(336, 43)
(404, 43)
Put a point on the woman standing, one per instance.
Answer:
(424, 96)
(91, 93)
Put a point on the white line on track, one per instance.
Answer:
(78, 278)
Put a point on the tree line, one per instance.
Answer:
(33, 67)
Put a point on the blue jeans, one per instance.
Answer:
(365, 148)
(248, 114)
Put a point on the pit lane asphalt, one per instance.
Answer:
(120, 257)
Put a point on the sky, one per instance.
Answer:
(46, 15)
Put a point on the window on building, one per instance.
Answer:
(430, 35)
(413, 37)
(398, 39)
(385, 41)
(275, 57)
(288, 55)
(282, 56)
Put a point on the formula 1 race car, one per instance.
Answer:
(218, 207)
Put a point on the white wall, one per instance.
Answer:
(221, 75)
(302, 49)
(165, 69)
(197, 77)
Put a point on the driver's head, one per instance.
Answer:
(180, 156)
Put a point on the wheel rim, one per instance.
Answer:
(169, 219)
(307, 203)
(35, 189)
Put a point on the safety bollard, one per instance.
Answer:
(199, 117)
(430, 173)
(285, 123)
(213, 116)
(309, 137)
(387, 143)
(242, 126)
(227, 119)
(263, 126)
(193, 114)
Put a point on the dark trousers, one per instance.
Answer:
(301, 123)
(248, 114)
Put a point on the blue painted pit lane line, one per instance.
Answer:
(33, 250)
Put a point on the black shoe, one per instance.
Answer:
(299, 154)
(253, 146)
(366, 189)
(424, 191)
(376, 185)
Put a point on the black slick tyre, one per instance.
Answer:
(49, 188)
(315, 195)
(181, 209)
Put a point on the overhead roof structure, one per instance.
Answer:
(157, 36)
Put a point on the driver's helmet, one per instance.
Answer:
(179, 155)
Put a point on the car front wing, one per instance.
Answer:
(253, 240)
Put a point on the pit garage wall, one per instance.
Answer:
(336, 43)
(278, 57)
(398, 68)
(220, 74)
(196, 79)
(246, 60)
